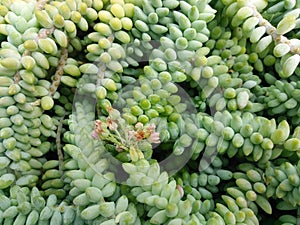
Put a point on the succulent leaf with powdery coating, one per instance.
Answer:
(290, 65)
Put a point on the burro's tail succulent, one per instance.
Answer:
(149, 112)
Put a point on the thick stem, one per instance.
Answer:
(59, 146)
(271, 30)
(59, 71)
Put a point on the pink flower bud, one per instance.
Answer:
(180, 189)
(95, 134)
(139, 126)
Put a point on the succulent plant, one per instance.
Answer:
(149, 112)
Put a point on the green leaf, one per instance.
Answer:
(287, 24)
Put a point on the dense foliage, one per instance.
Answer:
(217, 80)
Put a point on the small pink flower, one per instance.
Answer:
(150, 128)
(98, 129)
(111, 124)
(139, 135)
(154, 138)
(98, 126)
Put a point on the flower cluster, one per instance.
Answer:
(133, 139)
(142, 132)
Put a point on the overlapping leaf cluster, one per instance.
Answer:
(219, 79)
